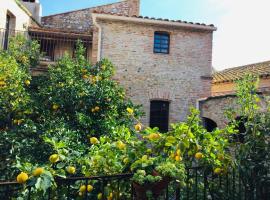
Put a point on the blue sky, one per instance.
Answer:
(242, 36)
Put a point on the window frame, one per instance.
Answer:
(162, 33)
(153, 122)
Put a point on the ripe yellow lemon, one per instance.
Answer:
(120, 145)
(97, 108)
(85, 76)
(138, 127)
(154, 136)
(38, 171)
(110, 197)
(55, 107)
(217, 170)
(22, 178)
(94, 140)
(198, 155)
(54, 158)
(178, 158)
(27, 82)
(84, 70)
(126, 160)
(90, 188)
(82, 188)
(130, 111)
(178, 152)
(71, 170)
(99, 196)
(2, 83)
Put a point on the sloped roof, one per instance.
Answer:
(261, 69)
(152, 18)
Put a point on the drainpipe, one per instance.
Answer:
(99, 37)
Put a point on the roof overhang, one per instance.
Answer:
(48, 32)
(138, 19)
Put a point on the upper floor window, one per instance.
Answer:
(159, 115)
(162, 42)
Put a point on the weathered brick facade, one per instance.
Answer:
(177, 77)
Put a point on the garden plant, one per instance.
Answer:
(75, 120)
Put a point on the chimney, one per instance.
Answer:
(34, 8)
(134, 7)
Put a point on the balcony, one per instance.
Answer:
(54, 44)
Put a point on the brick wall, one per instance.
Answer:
(81, 20)
(175, 77)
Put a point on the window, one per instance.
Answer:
(159, 115)
(7, 31)
(162, 42)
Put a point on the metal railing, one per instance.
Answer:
(199, 185)
(53, 45)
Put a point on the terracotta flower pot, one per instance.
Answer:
(156, 188)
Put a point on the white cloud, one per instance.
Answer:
(243, 35)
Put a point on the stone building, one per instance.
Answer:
(223, 91)
(165, 65)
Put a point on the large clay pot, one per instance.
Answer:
(156, 188)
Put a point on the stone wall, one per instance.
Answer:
(176, 77)
(81, 20)
(20, 18)
(214, 108)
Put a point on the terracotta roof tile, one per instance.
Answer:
(151, 18)
(261, 69)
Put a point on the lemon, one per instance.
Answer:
(22, 178)
(130, 111)
(126, 160)
(2, 83)
(84, 70)
(198, 155)
(97, 108)
(38, 171)
(54, 158)
(138, 127)
(120, 145)
(19, 122)
(85, 76)
(178, 158)
(110, 197)
(94, 140)
(99, 196)
(153, 136)
(217, 170)
(82, 188)
(55, 107)
(71, 170)
(178, 152)
(27, 82)
(90, 188)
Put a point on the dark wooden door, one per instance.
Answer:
(159, 115)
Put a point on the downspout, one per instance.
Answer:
(99, 37)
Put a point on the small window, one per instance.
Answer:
(162, 42)
(159, 115)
